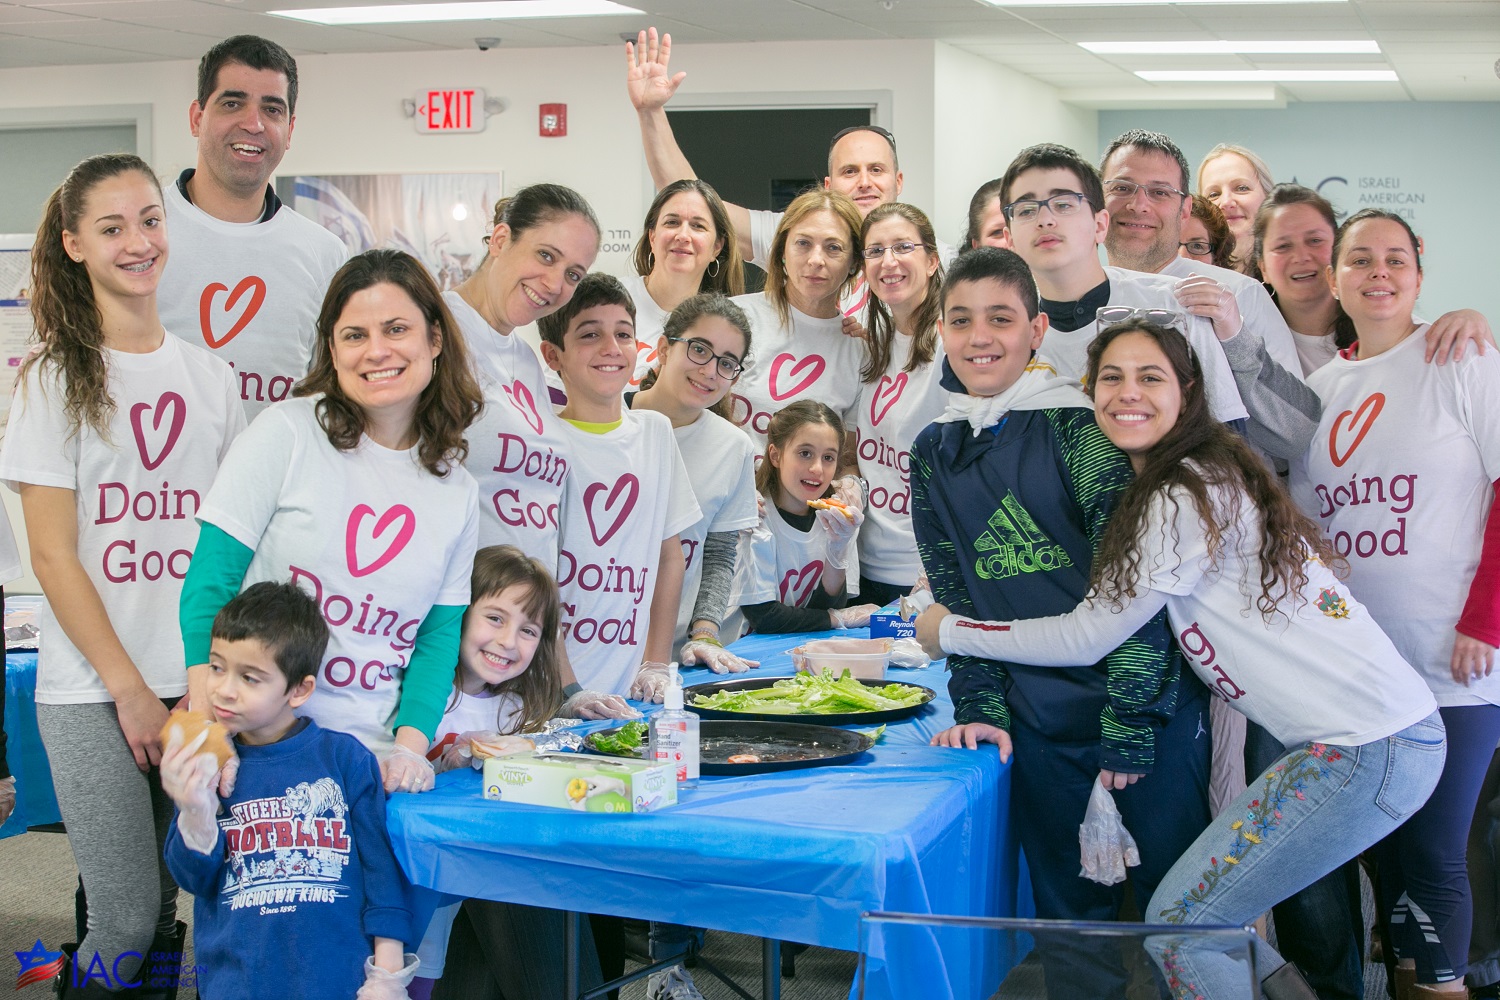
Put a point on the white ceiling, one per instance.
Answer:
(1442, 49)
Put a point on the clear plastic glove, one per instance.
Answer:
(382, 985)
(404, 770)
(7, 798)
(842, 529)
(189, 778)
(1202, 296)
(697, 652)
(472, 749)
(229, 774)
(650, 682)
(908, 653)
(588, 704)
(849, 490)
(857, 616)
(1106, 848)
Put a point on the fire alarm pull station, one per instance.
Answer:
(553, 119)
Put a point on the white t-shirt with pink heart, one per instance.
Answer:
(776, 562)
(374, 537)
(627, 493)
(806, 358)
(250, 292)
(176, 411)
(1400, 474)
(892, 411)
(517, 449)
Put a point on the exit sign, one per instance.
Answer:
(460, 110)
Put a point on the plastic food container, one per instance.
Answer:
(865, 659)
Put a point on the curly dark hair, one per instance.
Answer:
(70, 331)
(1202, 456)
(450, 402)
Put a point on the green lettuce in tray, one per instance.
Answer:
(625, 740)
(814, 694)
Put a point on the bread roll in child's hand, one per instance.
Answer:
(191, 724)
(484, 745)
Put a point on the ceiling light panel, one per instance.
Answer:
(1157, 48)
(497, 10)
(1269, 75)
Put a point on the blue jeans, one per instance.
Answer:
(1311, 811)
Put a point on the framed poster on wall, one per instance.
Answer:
(441, 219)
(15, 312)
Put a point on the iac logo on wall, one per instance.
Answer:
(1393, 193)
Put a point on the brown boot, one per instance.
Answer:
(1405, 977)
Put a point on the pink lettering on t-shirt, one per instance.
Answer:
(393, 545)
(174, 409)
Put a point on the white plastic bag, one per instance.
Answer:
(908, 653)
(1106, 848)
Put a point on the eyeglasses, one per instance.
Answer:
(1060, 205)
(1158, 194)
(903, 248)
(1198, 248)
(1110, 315)
(701, 352)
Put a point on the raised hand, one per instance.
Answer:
(648, 77)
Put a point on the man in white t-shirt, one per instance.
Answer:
(862, 162)
(248, 274)
(1146, 193)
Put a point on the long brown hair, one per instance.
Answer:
(1199, 454)
(805, 204)
(680, 321)
(70, 330)
(497, 568)
(783, 425)
(728, 278)
(1280, 197)
(450, 401)
(882, 328)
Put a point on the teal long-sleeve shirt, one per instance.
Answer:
(217, 573)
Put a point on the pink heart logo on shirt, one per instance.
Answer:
(812, 364)
(887, 391)
(1360, 421)
(797, 584)
(170, 406)
(617, 505)
(394, 544)
(254, 285)
(520, 397)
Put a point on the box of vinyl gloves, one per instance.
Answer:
(581, 782)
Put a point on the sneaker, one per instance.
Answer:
(672, 984)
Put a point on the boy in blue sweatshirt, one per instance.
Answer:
(1011, 489)
(295, 880)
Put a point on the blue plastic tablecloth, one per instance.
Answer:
(36, 803)
(795, 856)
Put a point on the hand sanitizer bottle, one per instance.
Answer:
(674, 734)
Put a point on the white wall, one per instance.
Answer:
(983, 115)
(1433, 162)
